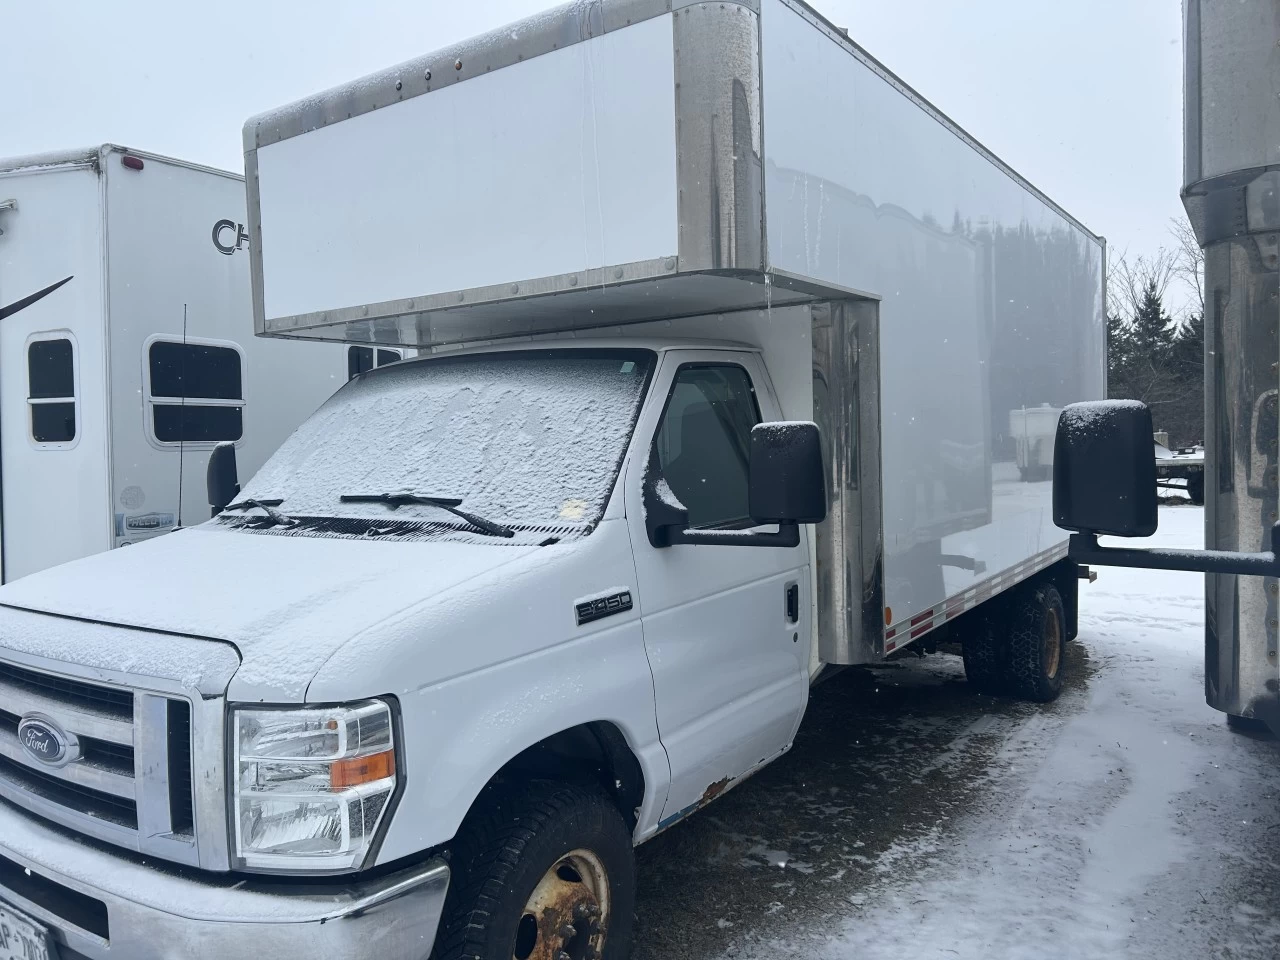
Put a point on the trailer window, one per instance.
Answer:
(195, 391)
(51, 390)
(363, 359)
(704, 443)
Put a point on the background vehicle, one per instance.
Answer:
(124, 284)
(1033, 431)
(503, 611)
(1185, 464)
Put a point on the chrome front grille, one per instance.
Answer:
(130, 784)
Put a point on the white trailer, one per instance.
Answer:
(492, 616)
(123, 277)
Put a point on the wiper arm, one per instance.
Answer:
(269, 508)
(395, 500)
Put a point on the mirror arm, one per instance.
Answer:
(1086, 549)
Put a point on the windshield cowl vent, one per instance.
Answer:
(367, 528)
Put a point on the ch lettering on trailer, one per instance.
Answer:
(598, 609)
(229, 236)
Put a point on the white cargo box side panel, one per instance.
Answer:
(559, 164)
(991, 301)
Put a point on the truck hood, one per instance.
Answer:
(286, 603)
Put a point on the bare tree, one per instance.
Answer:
(1188, 261)
(1128, 281)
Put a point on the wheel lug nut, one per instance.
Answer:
(568, 931)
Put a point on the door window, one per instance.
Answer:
(195, 392)
(51, 391)
(703, 446)
(363, 359)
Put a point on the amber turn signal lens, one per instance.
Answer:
(353, 772)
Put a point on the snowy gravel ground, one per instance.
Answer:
(917, 820)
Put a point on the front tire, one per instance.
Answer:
(1037, 651)
(541, 869)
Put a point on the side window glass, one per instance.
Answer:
(51, 390)
(363, 359)
(196, 392)
(703, 445)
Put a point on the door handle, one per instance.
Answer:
(793, 602)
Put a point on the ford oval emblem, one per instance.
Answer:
(43, 740)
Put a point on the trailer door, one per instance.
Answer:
(52, 418)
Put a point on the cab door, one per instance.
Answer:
(723, 625)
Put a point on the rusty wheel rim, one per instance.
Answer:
(567, 915)
(1052, 644)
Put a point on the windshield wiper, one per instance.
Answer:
(268, 507)
(395, 500)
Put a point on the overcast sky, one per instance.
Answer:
(1083, 98)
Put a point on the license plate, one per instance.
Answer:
(21, 938)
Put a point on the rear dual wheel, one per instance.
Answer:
(1018, 647)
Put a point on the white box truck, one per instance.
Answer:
(126, 334)
(493, 616)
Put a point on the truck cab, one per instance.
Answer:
(477, 608)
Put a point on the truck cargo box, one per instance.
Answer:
(741, 170)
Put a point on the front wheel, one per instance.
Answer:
(542, 870)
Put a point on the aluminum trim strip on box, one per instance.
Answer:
(504, 47)
(406, 312)
(908, 630)
(846, 400)
(719, 137)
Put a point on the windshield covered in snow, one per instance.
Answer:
(520, 438)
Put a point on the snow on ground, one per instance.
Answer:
(1129, 823)
(917, 820)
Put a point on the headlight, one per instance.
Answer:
(311, 786)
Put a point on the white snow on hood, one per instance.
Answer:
(286, 603)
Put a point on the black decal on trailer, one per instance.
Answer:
(237, 229)
(25, 302)
(598, 609)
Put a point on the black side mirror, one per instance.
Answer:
(221, 478)
(785, 486)
(1104, 469)
(786, 480)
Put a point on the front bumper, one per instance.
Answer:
(100, 905)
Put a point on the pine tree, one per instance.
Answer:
(1153, 330)
(1119, 358)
